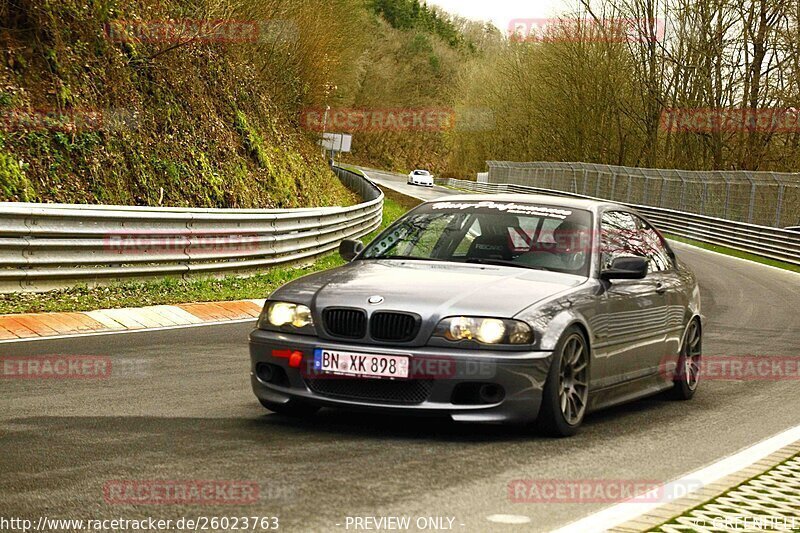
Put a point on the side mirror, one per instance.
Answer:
(627, 268)
(350, 248)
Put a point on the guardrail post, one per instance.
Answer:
(751, 211)
(780, 206)
(575, 188)
(585, 180)
(703, 198)
(727, 197)
(613, 185)
(630, 185)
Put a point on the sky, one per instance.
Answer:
(501, 12)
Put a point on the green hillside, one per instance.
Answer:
(90, 116)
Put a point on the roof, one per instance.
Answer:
(542, 199)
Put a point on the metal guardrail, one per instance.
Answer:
(43, 246)
(764, 241)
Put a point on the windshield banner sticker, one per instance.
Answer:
(520, 209)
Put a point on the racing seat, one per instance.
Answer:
(490, 247)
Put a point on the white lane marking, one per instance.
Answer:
(626, 511)
(118, 332)
(748, 261)
(508, 519)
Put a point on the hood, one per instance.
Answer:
(430, 289)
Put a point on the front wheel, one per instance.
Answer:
(566, 391)
(291, 408)
(687, 375)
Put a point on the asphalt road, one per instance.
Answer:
(178, 406)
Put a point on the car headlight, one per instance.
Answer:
(484, 330)
(276, 315)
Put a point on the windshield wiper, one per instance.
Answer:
(503, 262)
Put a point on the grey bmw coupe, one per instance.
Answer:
(487, 308)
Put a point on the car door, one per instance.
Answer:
(669, 282)
(632, 312)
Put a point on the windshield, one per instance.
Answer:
(519, 235)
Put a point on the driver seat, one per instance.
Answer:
(490, 247)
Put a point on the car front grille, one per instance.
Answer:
(394, 327)
(406, 392)
(345, 323)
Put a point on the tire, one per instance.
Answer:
(566, 392)
(292, 408)
(687, 374)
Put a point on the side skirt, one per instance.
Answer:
(628, 391)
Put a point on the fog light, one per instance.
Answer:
(265, 372)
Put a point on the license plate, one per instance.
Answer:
(360, 365)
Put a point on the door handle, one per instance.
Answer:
(660, 288)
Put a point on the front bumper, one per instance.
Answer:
(437, 390)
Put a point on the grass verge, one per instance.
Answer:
(735, 253)
(172, 291)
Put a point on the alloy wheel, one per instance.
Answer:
(691, 356)
(573, 390)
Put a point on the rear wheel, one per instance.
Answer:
(291, 408)
(687, 374)
(566, 392)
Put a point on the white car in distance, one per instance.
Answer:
(420, 177)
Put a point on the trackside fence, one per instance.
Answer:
(763, 198)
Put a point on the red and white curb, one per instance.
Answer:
(34, 326)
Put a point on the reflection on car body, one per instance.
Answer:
(533, 308)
